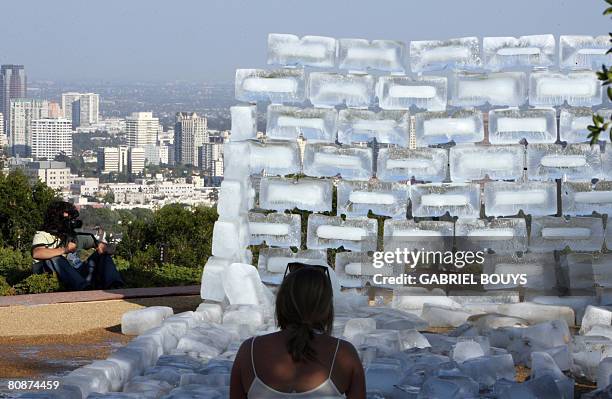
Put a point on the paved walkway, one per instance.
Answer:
(96, 295)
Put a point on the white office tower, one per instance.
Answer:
(142, 129)
(51, 137)
(136, 160)
(108, 159)
(211, 155)
(190, 132)
(22, 112)
(83, 109)
(3, 137)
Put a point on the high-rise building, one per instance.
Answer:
(83, 109)
(13, 84)
(55, 110)
(54, 174)
(142, 129)
(190, 132)
(51, 137)
(124, 158)
(136, 160)
(108, 159)
(3, 137)
(22, 112)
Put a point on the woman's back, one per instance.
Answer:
(268, 371)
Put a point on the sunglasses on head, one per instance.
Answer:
(295, 266)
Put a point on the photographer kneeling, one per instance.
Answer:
(56, 248)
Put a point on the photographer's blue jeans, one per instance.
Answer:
(105, 274)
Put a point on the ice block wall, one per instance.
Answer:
(366, 141)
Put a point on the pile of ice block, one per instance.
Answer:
(370, 145)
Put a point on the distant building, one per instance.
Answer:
(108, 160)
(190, 132)
(54, 174)
(85, 186)
(22, 112)
(124, 158)
(136, 160)
(13, 85)
(3, 137)
(51, 137)
(55, 110)
(211, 161)
(141, 129)
(83, 109)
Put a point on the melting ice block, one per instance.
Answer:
(432, 55)
(586, 271)
(552, 161)
(523, 51)
(507, 199)
(244, 122)
(352, 163)
(402, 92)
(510, 126)
(353, 269)
(555, 233)
(235, 198)
(501, 235)
(473, 162)
(136, 322)
(579, 89)
(277, 86)
(243, 286)
(313, 124)
(212, 278)
(356, 234)
(274, 158)
(236, 156)
(464, 126)
(496, 89)
(427, 235)
(273, 261)
(290, 50)
(574, 122)
(389, 127)
(584, 52)
(582, 199)
(400, 164)
(539, 270)
(276, 229)
(230, 238)
(286, 194)
(384, 199)
(436, 199)
(328, 89)
(360, 55)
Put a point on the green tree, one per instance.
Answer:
(600, 125)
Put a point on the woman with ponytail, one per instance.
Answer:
(302, 360)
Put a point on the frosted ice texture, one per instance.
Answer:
(432, 55)
(426, 235)
(360, 55)
(578, 233)
(584, 52)
(463, 126)
(357, 198)
(402, 92)
(523, 51)
(286, 194)
(277, 86)
(313, 124)
(574, 122)
(328, 89)
(538, 268)
(584, 198)
(290, 50)
(511, 126)
(274, 158)
(495, 89)
(436, 199)
(573, 162)
(401, 164)
(578, 89)
(503, 235)
(244, 122)
(277, 229)
(474, 162)
(389, 127)
(507, 198)
(355, 234)
(352, 163)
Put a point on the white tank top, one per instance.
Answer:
(327, 390)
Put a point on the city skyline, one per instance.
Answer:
(191, 42)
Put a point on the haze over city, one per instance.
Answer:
(205, 41)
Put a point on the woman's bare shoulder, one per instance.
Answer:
(347, 353)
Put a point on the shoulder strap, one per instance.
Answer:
(253, 358)
(331, 369)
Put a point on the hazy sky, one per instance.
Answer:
(206, 40)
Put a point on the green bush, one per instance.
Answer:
(15, 265)
(38, 284)
(5, 288)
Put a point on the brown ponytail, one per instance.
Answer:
(304, 303)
